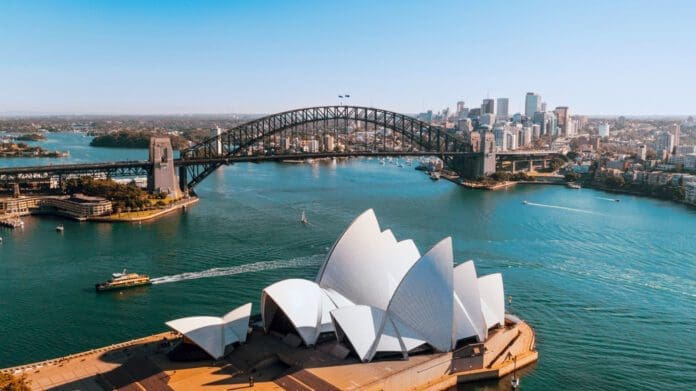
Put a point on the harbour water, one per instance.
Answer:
(608, 286)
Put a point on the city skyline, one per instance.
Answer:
(217, 57)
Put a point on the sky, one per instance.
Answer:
(608, 57)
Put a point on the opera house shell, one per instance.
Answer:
(376, 294)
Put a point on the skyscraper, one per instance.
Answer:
(502, 112)
(563, 118)
(532, 104)
(488, 106)
(460, 109)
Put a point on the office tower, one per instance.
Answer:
(563, 119)
(460, 109)
(603, 129)
(532, 104)
(642, 152)
(488, 106)
(474, 113)
(502, 112)
(543, 106)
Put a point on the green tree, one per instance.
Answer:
(9, 382)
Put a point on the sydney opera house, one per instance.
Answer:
(374, 294)
(378, 316)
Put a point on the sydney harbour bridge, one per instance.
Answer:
(314, 132)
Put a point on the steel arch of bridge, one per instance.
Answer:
(237, 141)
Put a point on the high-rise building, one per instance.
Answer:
(603, 129)
(532, 104)
(643, 152)
(563, 119)
(543, 106)
(676, 130)
(499, 134)
(502, 112)
(216, 132)
(460, 109)
(664, 143)
(488, 106)
(524, 136)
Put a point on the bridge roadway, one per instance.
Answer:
(142, 167)
(123, 167)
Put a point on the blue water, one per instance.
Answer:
(608, 287)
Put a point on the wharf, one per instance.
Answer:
(142, 364)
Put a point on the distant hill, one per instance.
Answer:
(138, 140)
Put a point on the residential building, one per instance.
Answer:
(563, 119)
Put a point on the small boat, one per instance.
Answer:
(123, 280)
(616, 200)
(60, 228)
(303, 218)
(525, 202)
(434, 175)
(573, 185)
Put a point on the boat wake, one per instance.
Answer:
(561, 207)
(606, 199)
(239, 269)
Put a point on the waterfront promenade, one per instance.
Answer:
(142, 364)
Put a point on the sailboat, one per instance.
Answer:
(303, 218)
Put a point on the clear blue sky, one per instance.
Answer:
(598, 57)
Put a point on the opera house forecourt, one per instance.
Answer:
(379, 315)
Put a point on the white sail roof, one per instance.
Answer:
(304, 304)
(424, 301)
(214, 334)
(236, 324)
(468, 318)
(492, 299)
(363, 259)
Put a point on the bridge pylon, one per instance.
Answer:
(162, 178)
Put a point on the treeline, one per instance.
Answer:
(31, 137)
(133, 140)
(122, 196)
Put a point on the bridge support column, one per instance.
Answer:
(162, 178)
(531, 166)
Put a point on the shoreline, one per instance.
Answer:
(274, 365)
(181, 204)
(114, 218)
